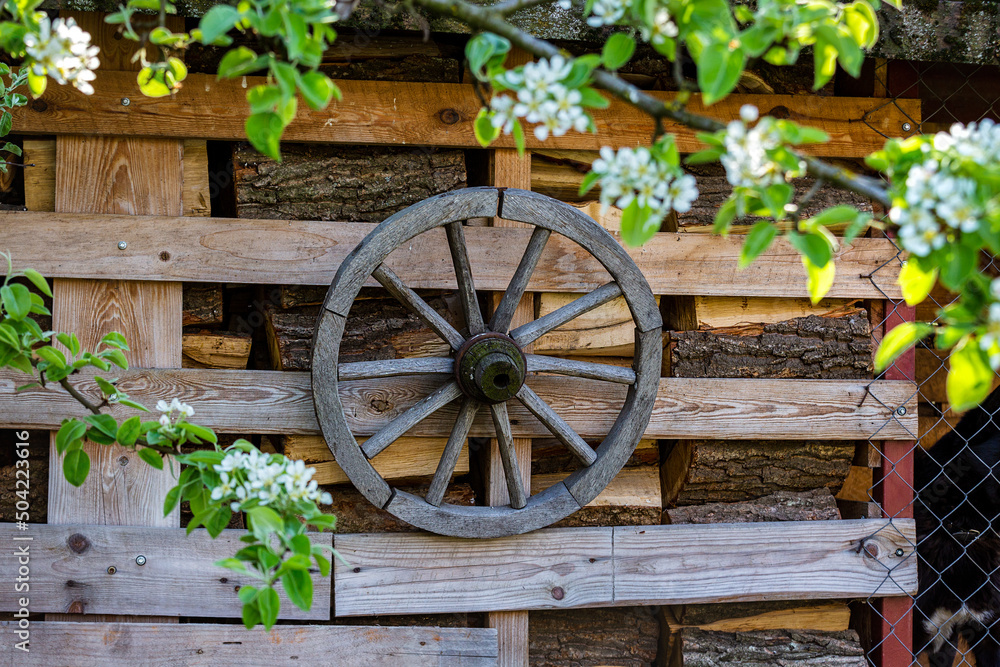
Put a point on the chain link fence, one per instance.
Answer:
(948, 477)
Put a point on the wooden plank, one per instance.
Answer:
(607, 330)
(215, 350)
(274, 402)
(55, 644)
(426, 574)
(632, 487)
(624, 566)
(196, 197)
(70, 572)
(717, 312)
(407, 458)
(428, 114)
(40, 179)
(309, 253)
(830, 617)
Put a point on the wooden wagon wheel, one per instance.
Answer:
(487, 368)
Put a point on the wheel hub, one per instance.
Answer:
(490, 367)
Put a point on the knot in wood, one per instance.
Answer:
(39, 106)
(449, 116)
(779, 112)
(78, 543)
(558, 593)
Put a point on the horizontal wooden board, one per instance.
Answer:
(69, 572)
(231, 401)
(423, 114)
(309, 253)
(631, 487)
(59, 644)
(654, 565)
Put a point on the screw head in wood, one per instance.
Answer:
(126, 101)
(901, 410)
(140, 560)
(900, 553)
(122, 245)
(907, 127)
(112, 569)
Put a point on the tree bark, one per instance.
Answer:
(781, 648)
(814, 505)
(624, 637)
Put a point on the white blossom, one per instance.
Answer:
(633, 174)
(606, 12)
(661, 29)
(745, 160)
(62, 50)
(541, 99)
(268, 478)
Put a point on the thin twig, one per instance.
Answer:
(80, 398)
(485, 18)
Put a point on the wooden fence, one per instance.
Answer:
(123, 174)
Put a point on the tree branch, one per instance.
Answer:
(487, 18)
(80, 398)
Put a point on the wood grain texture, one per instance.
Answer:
(607, 330)
(625, 566)
(69, 567)
(196, 196)
(40, 180)
(308, 253)
(273, 402)
(383, 112)
(405, 459)
(55, 644)
(215, 350)
(632, 487)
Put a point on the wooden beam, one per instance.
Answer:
(626, 566)
(211, 349)
(309, 253)
(70, 572)
(632, 487)
(281, 402)
(424, 114)
(128, 644)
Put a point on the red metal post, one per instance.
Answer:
(894, 484)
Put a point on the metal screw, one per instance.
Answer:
(126, 101)
(140, 560)
(900, 553)
(122, 245)
(901, 410)
(112, 569)
(907, 127)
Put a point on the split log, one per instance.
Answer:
(719, 312)
(703, 648)
(707, 471)
(813, 505)
(202, 304)
(321, 182)
(807, 347)
(377, 329)
(833, 616)
(624, 637)
(207, 349)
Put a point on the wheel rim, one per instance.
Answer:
(487, 367)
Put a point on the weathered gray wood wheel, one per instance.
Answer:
(487, 367)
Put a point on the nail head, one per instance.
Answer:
(112, 569)
(901, 410)
(122, 245)
(907, 127)
(140, 560)
(900, 553)
(126, 101)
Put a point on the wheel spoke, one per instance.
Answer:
(511, 469)
(365, 370)
(389, 280)
(556, 425)
(538, 363)
(532, 331)
(428, 405)
(519, 282)
(446, 466)
(463, 273)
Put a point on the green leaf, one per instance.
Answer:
(116, 340)
(128, 432)
(617, 50)
(217, 21)
(251, 614)
(970, 377)
(900, 339)
(299, 588)
(153, 83)
(38, 281)
(285, 75)
(860, 19)
(76, 467)
(153, 458)
(116, 357)
(636, 227)
(268, 604)
(958, 263)
(316, 89)
(724, 217)
(70, 431)
(825, 57)
(263, 98)
(484, 130)
(170, 501)
(106, 387)
(916, 283)
(106, 424)
(247, 594)
(813, 246)
(264, 521)
(757, 241)
(53, 356)
(719, 69)
(201, 432)
(775, 197)
(237, 62)
(835, 215)
(6, 122)
(264, 131)
(593, 99)
(820, 279)
(37, 83)
(16, 301)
